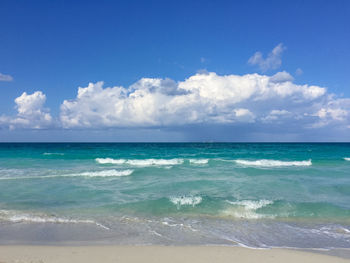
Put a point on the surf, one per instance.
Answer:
(272, 163)
(141, 162)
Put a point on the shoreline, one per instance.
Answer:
(184, 254)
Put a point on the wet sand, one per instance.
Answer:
(154, 254)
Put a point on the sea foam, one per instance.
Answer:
(199, 161)
(103, 173)
(141, 162)
(250, 204)
(110, 161)
(273, 163)
(347, 159)
(185, 200)
(247, 209)
(20, 217)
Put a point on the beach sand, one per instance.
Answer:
(154, 254)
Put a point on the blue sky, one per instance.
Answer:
(204, 48)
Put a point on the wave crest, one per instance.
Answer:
(199, 161)
(347, 158)
(273, 163)
(250, 204)
(247, 209)
(110, 161)
(106, 173)
(141, 162)
(19, 217)
(185, 200)
(103, 173)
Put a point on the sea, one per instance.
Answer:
(257, 195)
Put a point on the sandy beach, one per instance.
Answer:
(128, 254)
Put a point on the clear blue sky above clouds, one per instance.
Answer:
(57, 46)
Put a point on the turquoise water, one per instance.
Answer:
(256, 195)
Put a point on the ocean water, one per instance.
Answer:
(257, 195)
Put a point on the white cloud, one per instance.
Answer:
(30, 112)
(335, 111)
(260, 101)
(244, 115)
(276, 115)
(272, 61)
(282, 76)
(4, 77)
(202, 98)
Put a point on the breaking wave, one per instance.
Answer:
(110, 161)
(247, 209)
(103, 173)
(140, 162)
(19, 217)
(106, 173)
(199, 161)
(273, 163)
(347, 159)
(185, 200)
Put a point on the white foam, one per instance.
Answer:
(53, 153)
(140, 162)
(110, 161)
(250, 204)
(18, 217)
(247, 209)
(347, 159)
(106, 173)
(103, 173)
(185, 200)
(199, 161)
(273, 163)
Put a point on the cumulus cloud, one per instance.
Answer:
(262, 103)
(333, 112)
(282, 76)
(276, 116)
(4, 77)
(30, 112)
(272, 61)
(202, 98)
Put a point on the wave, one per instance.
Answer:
(346, 158)
(250, 204)
(141, 162)
(150, 162)
(185, 200)
(106, 173)
(273, 163)
(110, 161)
(199, 161)
(247, 209)
(19, 217)
(53, 153)
(103, 173)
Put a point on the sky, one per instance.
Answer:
(240, 71)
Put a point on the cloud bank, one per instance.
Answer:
(202, 98)
(252, 100)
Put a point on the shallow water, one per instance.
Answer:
(256, 195)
